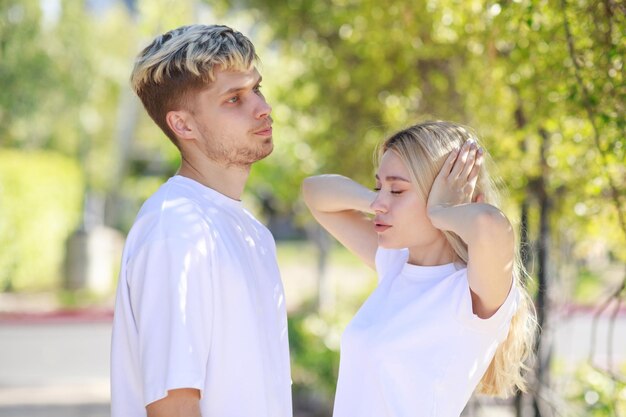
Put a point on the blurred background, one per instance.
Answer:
(541, 81)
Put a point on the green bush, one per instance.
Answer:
(314, 345)
(40, 204)
(597, 394)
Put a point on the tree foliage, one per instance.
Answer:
(541, 81)
(354, 71)
(40, 201)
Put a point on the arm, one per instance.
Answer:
(178, 403)
(170, 286)
(483, 227)
(340, 206)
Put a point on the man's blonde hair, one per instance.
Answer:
(183, 61)
(423, 149)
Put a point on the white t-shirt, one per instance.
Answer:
(415, 348)
(200, 304)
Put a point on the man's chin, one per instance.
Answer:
(266, 149)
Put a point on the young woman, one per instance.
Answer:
(449, 313)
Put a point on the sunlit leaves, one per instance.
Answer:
(502, 67)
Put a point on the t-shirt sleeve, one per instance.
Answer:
(170, 286)
(389, 262)
(499, 322)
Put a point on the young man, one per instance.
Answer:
(200, 324)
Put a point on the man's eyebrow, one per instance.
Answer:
(240, 88)
(391, 178)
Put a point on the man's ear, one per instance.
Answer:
(181, 123)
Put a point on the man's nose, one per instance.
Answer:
(263, 109)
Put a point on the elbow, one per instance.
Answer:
(315, 189)
(307, 184)
(307, 190)
(492, 226)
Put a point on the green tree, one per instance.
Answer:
(542, 82)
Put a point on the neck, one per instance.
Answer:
(438, 252)
(229, 180)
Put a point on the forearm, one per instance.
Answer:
(334, 193)
(182, 402)
(472, 222)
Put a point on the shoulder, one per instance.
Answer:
(171, 214)
(262, 231)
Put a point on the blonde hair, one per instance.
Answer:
(183, 61)
(423, 148)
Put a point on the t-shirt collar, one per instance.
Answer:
(419, 272)
(210, 193)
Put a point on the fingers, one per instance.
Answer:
(449, 164)
(469, 163)
(461, 159)
(465, 161)
(473, 176)
(478, 161)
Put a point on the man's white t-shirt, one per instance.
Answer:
(415, 348)
(200, 304)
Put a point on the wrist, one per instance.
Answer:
(439, 215)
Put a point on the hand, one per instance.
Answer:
(457, 178)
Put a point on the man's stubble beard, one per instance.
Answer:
(242, 157)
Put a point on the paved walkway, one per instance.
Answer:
(56, 363)
(53, 363)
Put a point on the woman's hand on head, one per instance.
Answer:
(456, 181)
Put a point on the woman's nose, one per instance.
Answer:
(378, 205)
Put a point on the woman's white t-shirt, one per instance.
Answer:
(415, 348)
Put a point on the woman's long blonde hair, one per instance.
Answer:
(423, 148)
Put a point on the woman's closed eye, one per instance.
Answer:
(392, 191)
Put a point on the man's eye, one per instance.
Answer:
(233, 99)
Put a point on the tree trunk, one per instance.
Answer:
(525, 248)
(525, 252)
(325, 299)
(543, 250)
(128, 118)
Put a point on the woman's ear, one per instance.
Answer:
(181, 123)
(478, 198)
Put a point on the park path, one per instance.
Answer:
(52, 367)
(56, 364)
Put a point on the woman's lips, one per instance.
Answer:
(380, 227)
